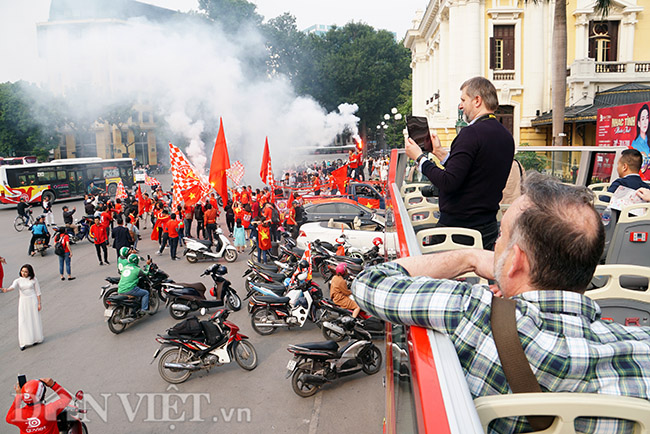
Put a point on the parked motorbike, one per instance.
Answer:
(156, 277)
(334, 317)
(124, 310)
(317, 363)
(270, 312)
(68, 421)
(198, 250)
(183, 298)
(84, 224)
(213, 343)
(40, 246)
(328, 266)
(263, 273)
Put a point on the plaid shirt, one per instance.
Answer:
(569, 348)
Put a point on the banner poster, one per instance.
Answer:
(626, 125)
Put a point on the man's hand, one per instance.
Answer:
(644, 194)
(412, 149)
(438, 150)
(483, 262)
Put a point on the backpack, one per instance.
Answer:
(59, 249)
(275, 216)
(189, 327)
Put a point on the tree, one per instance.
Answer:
(286, 45)
(29, 120)
(231, 14)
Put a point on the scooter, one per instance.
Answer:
(196, 250)
(40, 246)
(213, 343)
(156, 276)
(317, 363)
(183, 298)
(83, 232)
(124, 310)
(68, 421)
(332, 324)
(270, 312)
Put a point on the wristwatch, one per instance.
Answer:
(420, 157)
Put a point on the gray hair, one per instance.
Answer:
(481, 86)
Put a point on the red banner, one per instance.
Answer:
(626, 125)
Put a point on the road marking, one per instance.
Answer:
(315, 413)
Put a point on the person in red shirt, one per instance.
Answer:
(255, 207)
(245, 197)
(105, 219)
(290, 219)
(36, 417)
(316, 185)
(246, 219)
(263, 240)
(67, 253)
(98, 235)
(161, 224)
(210, 216)
(173, 226)
(147, 206)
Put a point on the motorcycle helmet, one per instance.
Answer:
(124, 251)
(377, 241)
(33, 392)
(303, 264)
(341, 269)
(133, 259)
(222, 270)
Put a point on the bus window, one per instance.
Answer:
(95, 173)
(127, 174)
(601, 167)
(111, 172)
(60, 175)
(27, 179)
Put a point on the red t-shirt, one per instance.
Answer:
(172, 227)
(245, 197)
(106, 219)
(316, 183)
(65, 240)
(210, 216)
(98, 233)
(268, 213)
(39, 418)
(246, 219)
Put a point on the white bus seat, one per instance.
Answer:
(502, 210)
(448, 242)
(623, 294)
(599, 186)
(412, 187)
(337, 225)
(424, 217)
(630, 243)
(566, 407)
(415, 199)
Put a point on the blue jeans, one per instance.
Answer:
(173, 246)
(139, 292)
(65, 258)
(261, 255)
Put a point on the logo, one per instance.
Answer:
(33, 422)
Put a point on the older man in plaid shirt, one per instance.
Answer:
(550, 243)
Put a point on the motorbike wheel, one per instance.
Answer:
(107, 294)
(332, 335)
(324, 271)
(245, 355)
(19, 224)
(174, 355)
(262, 316)
(84, 428)
(43, 251)
(298, 383)
(371, 360)
(154, 304)
(233, 302)
(230, 255)
(177, 314)
(114, 324)
(191, 259)
(356, 255)
(162, 295)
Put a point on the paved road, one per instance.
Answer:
(125, 393)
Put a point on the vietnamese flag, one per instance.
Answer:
(341, 177)
(219, 164)
(140, 198)
(265, 171)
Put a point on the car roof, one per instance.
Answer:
(316, 200)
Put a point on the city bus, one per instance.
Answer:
(426, 390)
(62, 179)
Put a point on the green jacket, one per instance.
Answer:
(129, 277)
(121, 262)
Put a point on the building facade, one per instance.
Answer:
(510, 42)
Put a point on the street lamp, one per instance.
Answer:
(460, 123)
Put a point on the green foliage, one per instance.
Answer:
(533, 161)
(286, 45)
(29, 120)
(231, 14)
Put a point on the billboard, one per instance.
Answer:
(626, 125)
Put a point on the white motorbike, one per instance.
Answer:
(197, 250)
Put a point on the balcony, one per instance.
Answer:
(503, 75)
(586, 77)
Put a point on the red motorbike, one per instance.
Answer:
(197, 345)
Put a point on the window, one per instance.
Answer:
(505, 115)
(603, 41)
(502, 48)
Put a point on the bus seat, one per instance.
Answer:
(601, 205)
(629, 243)
(599, 186)
(412, 187)
(502, 210)
(424, 217)
(623, 294)
(415, 199)
(443, 239)
(337, 225)
(567, 407)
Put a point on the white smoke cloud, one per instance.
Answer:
(193, 74)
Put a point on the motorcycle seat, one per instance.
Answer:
(198, 287)
(206, 243)
(323, 346)
(113, 280)
(264, 267)
(357, 261)
(271, 299)
(275, 276)
(298, 251)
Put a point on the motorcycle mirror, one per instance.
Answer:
(203, 311)
(79, 395)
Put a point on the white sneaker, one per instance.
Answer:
(159, 253)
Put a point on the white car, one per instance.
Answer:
(360, 237)
(140, 175)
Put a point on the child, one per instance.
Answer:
(263, 240)
(240, 236)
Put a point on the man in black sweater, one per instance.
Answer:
(476, 167)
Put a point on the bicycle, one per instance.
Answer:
(22, 222)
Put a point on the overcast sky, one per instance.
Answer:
(18, 20)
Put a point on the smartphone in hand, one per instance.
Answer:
(22, 380)
(418, 129)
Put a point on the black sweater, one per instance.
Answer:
(475, 174)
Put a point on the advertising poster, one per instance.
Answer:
(626, 125)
